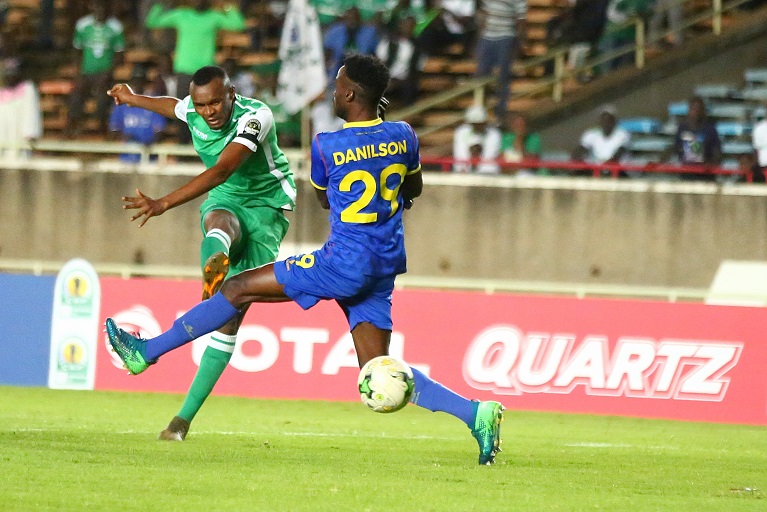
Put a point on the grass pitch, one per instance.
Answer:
(68, 450)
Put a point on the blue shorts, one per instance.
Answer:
(310, 278)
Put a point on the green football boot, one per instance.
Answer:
(131, 349)
(487, 431)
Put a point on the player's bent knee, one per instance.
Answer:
(235, 291)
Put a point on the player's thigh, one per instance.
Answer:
(372, 305)
(370, 341)
(263, 229)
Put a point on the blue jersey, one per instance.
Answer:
(362, 168)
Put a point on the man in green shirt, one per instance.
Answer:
(100, 41)
(196, 32)
(250, 185)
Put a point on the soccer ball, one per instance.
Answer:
(385, 384)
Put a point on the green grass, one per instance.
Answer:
(68, 450)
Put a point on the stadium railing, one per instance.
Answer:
(554, 84)
(614, 170)
(19, 159)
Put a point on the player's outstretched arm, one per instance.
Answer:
(230, 159)
(163, 105)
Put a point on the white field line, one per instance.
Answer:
(618, 445)
(380, 435)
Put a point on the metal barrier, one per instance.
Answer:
(597, 170)
(556, 56)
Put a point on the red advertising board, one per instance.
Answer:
(635, 358)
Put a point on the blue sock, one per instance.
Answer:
(435, 397)
(205, 317)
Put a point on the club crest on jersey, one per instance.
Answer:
(253, 127)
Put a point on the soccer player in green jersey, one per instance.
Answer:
(249, 186)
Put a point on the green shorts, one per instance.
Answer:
(263, 229)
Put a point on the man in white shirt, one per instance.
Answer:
(19, 110)
(759, 141)
(476, 139)
(605, 143)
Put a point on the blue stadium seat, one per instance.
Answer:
(755, 76)
(677, 108)
(737, 148)
(733, 129)
(730, 111)
(650, 144)
(759, 113)
(755, 93)
(640, 125)
(716, 91)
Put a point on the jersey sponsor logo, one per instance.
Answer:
(369, 151)
(199, 134)
(507, 361)
(252, 127)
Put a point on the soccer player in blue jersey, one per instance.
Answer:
(366, 174)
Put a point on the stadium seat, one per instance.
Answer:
(737, 148)
(716, 91)
(733, 129)
(755, 76)
(759, 113)
(650, 144)
(730, 111)
(677, 109)
(755, 93)
(646, 125)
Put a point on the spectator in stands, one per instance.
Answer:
(696, 142)
(288, 126)
(19, 109)
(518, 144)
(100, 41)
(618, 32)
(160, 40)
(671, 11)
(580, 26)
(133, 124)
(196, 32)
(501, 36)
(349, 35)
(454, 23)
(399, 51)
(606, 143)
(165, 71)
(243, 80)
(330, 11)
(323, 116)
(476, 139)
(758, 163)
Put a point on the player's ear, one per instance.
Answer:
(350, 95)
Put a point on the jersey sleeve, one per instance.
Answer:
(252, 129)
(181, 108)
(118, 37)
(319, 172)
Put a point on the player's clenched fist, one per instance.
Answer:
(121, 93)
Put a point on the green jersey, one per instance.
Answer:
(196, 33)
(264, 179)
(99, 42)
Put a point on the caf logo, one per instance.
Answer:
(73, 353)
(78, 285)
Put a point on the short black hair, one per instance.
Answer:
(206, 74)
(370, 73)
